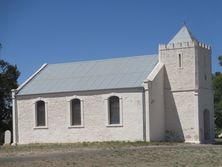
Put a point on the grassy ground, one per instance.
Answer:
(111, 154)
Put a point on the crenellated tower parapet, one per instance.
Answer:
(184, 45)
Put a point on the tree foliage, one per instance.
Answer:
(220, 60)
(217, 86)
(8, 80)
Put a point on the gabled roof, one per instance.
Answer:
(184, 35)
(126, 72)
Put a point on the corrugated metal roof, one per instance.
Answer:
(126, 72)
(184, 35)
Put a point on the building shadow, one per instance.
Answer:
(174, 131)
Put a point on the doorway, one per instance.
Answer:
(206, 116)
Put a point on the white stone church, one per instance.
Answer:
(167, 96)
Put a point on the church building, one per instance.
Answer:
(163, 97)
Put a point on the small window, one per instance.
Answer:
(40, 113)
(206, 121)
(114, 110)
(180, 60)
(75, 112)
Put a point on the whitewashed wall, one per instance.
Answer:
(183, 100)
(205, 92)
(206, 103)
(182, 119)
(156, 120)
(94, 129)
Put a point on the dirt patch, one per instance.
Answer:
(142, 155)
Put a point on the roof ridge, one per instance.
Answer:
(106, 59)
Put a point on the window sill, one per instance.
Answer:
(40, 127)
(76, 126)
(114, 125)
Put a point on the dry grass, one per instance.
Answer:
(111, 154)
(70, 146)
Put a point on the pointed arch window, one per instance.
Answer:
(76, 112)
(206, 121)
(40, 114)
(114, 110)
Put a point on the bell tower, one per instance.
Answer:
(187, 88)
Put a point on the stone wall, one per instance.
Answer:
(204, 72)
(183, 86)
(95, 122)
(179, 78)
(205, 92)
(181, 110)
(156, 123)
(206, 103)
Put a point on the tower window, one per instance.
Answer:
(180, 60)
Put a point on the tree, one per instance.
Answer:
(217, 86)
(8, 80)
(220, 60)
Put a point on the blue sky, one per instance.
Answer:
(33, 32)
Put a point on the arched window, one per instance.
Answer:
(75, 112)
(114, 110)
(40, 113)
